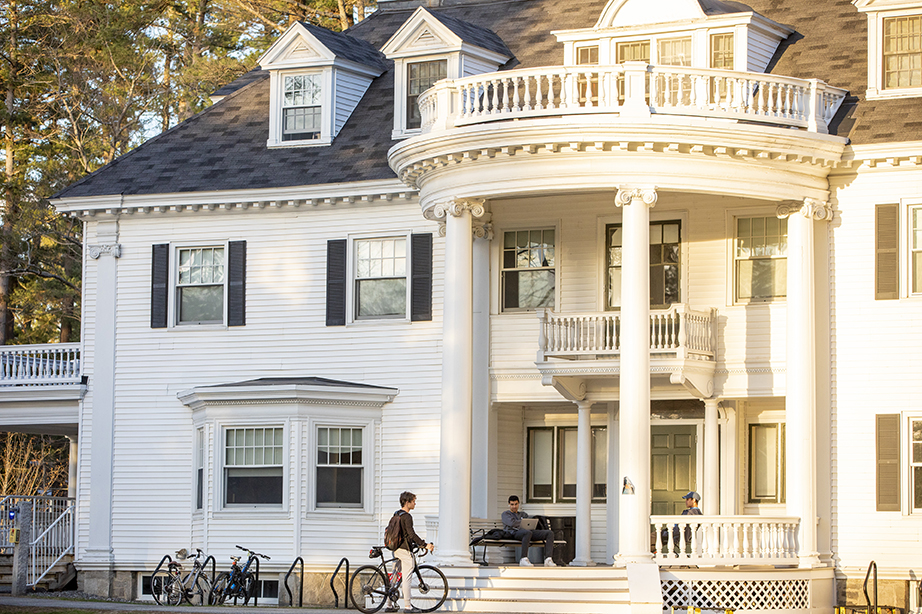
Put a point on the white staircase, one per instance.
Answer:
(576, 590)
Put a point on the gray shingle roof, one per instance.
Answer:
(469, 33)
(348, 47)
(224, 147)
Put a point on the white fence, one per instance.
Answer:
(725, 540)
(677, 330)
(47, 364)
(631, 87)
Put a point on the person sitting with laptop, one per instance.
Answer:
(524, 528)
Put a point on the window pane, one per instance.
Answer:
(567, 463)
(764, 462)
(339, 486)
(599, 462)
(541, 463)
(722, 51)
(201, 304)
(902, 52)
(528, 289)
(675, 52)
(253, 486)
(381, 298)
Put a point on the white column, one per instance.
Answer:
(72, 467)
(613, 486)
(457, 382)
(101, 405)
(634, 433)
(484, 445)
(730, 464)
(800, 402)
(583, 486)
(710, 495)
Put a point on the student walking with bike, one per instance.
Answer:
(407, 540)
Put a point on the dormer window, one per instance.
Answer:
(301, 107)
(722, 51)
(894, 48)
(675, 51)
(420, 77)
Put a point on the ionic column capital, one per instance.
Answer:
(810, 208)
(628, 195)
(457, 207)
(480, 230)
(111, 249)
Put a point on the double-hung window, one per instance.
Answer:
(902, 52)
(552, 464)
(766, 463)
(301, 107)
(915, 247)
(253, 465)
(529, 269)
(665, 263)
(721, 51)
(420, 77)
(200, 285)
(380, 278)
(760, 258)
(340, 467)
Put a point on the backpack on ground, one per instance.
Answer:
(393, 534)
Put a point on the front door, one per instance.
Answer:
(672, 466)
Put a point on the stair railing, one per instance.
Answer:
(872, 566)
(56, 542)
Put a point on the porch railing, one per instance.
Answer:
(725, 540)
(52, 532)
(678, 331)
(632, 87)
(48, 364)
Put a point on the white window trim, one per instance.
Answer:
(769, 416)
(876, 18)
(219, 435)
(732, 215)
(907, 205)
(350, 278)
(563, 420)
(401, 83)
(368, 424)
(172, 304)
(906, 495)
(276, 97)
(199, 454)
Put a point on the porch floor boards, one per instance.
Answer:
(576, 590)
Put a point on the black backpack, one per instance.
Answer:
(393, 534)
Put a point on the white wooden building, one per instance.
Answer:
(593, 253)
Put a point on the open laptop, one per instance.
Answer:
(529, 524)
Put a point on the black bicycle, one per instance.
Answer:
(239, 583)
(372, 586)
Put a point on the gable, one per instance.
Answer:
(421, 32)
(297, 47)
(626, 13)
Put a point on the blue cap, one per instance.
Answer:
(693, 495)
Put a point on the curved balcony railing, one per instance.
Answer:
(678, 331)
(724, 540)
(49, 364)
(633, 89)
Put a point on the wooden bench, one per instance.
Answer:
(480, 526)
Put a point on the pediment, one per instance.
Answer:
(866, 6)
(421, 32)
(296, 47)
(629, 13)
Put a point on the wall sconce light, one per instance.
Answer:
(628, 488)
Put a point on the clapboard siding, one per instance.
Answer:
(349, 89)
(872, 344)
(761, 50)
(475, 66)
(284, 336)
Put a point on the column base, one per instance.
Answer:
(810, 561)
(581, 563)
(645, 589)
(454, 559)
(623, 560)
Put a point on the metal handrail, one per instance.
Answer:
(70, 549)
(867, 576)
(291, 601)
(333, 577)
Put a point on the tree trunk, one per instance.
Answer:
(345, 17)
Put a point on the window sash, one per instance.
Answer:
(340, 467)
(722, 51)
(200, 280)
(636, 51)
(380, 276)
(902, 52)
(552, 464)
(915, 249)
(674, 51)
(420, 77)
(665, 264)
(766, 463)
(760, 258)
(253, 465)
(529, 269)
(199, 468)
(915, 461)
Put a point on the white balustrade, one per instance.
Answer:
(677, 90)
(724, 540)
(49, 364)
(677, 330)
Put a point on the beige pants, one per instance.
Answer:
(406, 569)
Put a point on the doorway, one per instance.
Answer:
(672, 474)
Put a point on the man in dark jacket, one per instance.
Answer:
(512, 521)
(409, 539)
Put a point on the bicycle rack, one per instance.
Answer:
(166, 557)
(256, 584)
(333, 588)
(867, 577)
(213, 570)
(291, 601)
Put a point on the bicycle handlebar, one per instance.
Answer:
(251, 553)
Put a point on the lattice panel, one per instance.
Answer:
(736, 594)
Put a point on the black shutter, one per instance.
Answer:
(888, 462)
(887, 252)
(421, 277)
(237, 283)
(336, 282)
(159, 285)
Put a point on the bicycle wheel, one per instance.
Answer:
(200, 592)
(160, 584)
(368, 589)
(428, 588)
(219, 592)
(247, 589)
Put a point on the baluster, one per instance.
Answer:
(506, 107)
(516, 100)
(551, 104)
(527, 105)
(539, 94)
(494, 101)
